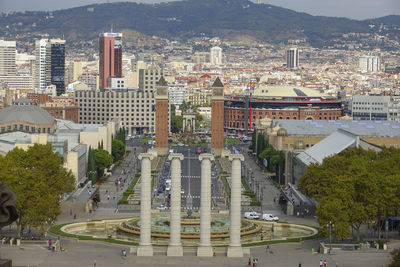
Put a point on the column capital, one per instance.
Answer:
(236, 156)
(150, 156)
(206, 156)
(175, 156)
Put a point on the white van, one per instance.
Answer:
(251, 215)
(270, 217)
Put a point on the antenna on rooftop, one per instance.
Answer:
(112, 27)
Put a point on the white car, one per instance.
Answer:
(162, 207)
(180, 144)
(182, 191)
(270, 217)
(251, 215)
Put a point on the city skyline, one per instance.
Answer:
(354, 9)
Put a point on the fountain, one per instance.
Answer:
(129, 229)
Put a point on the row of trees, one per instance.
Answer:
(265, 151)
(354, 187)
(99, 159)
(38, 179)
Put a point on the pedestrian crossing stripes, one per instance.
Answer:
(191, 208)
(196, 176)
(214, 197)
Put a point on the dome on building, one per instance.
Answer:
(299, 144)
(282, 132)
(25, 113)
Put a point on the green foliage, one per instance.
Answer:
(38, 178)
(176, 124)
(253, 141)
(395, 258)
(118, 149)
(91, 171)
(275, 159)
(354, 187)
(120, 135)
(103, 160)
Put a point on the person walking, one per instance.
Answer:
(320, 263)
(299, 264)
(94, 263)
(325, 263)
(249, 261)
(74, 216)
(214, 251)
(254, 262)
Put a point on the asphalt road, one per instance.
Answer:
(191, 181)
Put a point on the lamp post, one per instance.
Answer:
(330, 227)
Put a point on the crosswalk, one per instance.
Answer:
(191, 208)
(195, 177)
(214, 197)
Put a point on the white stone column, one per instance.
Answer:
(145, 248)
(205, 249)
(235, 247)
(175, 248)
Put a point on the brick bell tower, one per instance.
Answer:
(162, 108)
(217, 117)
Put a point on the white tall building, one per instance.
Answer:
(370, 107)
(7, 57)
(178, 93)
(292, 58)
(216, 55)
(369, 63)
(42, 65)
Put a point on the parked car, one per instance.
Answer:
(162, 207)
(270, 217)
(180, 144)
(182, 191)
(251, 215)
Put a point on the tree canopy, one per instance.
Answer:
(103, 160)
(118, 149)
(38, 179)
(354, 187)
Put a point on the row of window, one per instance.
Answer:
(368, 103)
(22, 128)
(111, 101)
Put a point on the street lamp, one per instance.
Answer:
(330, 227)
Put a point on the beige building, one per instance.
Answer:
(200, 97)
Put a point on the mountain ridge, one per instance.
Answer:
(189, 18)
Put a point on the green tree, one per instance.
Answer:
(253, 141)
(91, 171)
(176, 123)
(118, 149)
(103, 160)
(395, 258)
(38, 179)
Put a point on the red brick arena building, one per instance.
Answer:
(279, 102)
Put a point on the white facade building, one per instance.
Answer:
(369, 63)
(292, 58)
(370, 107)
(118, 83)
(7, 57)
(178, 93)
(216, 55)
(42, 62)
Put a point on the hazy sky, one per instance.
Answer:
(356, 9)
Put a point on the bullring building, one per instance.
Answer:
(281, 103)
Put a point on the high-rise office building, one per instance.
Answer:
(110, 53)
(216, 55)
(7, 57)
(57, 65)
(148, 77)
(292, 58)
(50, 65)
(369, 63)
(75, 70)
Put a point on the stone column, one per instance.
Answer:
(235, 247)
(205, 249)
(145, 248)
(175, 248)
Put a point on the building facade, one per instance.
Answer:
(7, 57)
(134, 108)
(178, 94)
(369, 107)
(369, 63)
(292, 58)
(216, 55)
(110, 53)
(57, 65)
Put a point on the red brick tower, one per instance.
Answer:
(162, 117)
(217, 117)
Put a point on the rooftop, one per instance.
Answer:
(288, 91)
(25, 113)
(323, 127)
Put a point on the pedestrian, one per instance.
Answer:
(74, 216)
(47, 244)
(299, 264)
(320, 263)
(70, 212)
(267, 248)
(214, 251)
(108, 197)
(324, 263)
(249, 261)
(254, 262)
(50, 244)
(94, 263)
(298, 213)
